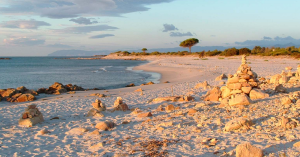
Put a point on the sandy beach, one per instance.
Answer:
(181, 133)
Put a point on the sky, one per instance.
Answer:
(40, 27)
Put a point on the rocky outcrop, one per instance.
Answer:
(20, 94)
(31, 116)
(58, 88)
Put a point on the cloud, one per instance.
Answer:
(267, 38)
(24, 24)
(23, 41)
(85, 29)
(101, 36)
(213, 36)
(75, 8)
(82, 20)
(169, 27)
(57, 45)
(178, 34)
(267, 41)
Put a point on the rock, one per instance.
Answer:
(14, 97)
(234, 86)
(94, 112)
(221, 77)
(225, 92)
(96, 146)
(240, 99)
(31, 116)
(8, 93)
(41, 90)
(77, 131)
(258, 94)
(21, 89)
(43, 132)
(297, 144)
(105, 125)
(25, 97)
(213, 95)
(119, 105)
(202, 84)
(191, 112)
(247, 150)
(139, 90)
(98, 105)
(285, 100)
(150, 83)
(283, 79)
(71, 92)
(237, 124)
(31, 91)
(221, 83)
(280, 89)
(275, 79)
(288, 68)
(95, 132)
(170, 108)
(233, 80)
(293, 79)
(287, 123)
(246, 90)
(143, 115)
(130, 85)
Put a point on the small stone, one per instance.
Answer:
(191, 112)
(240, 99)
(237, 123)
(143, 115)
(297, 144)
(43, 132)
(105, 125)
(247, 150)
(170, 108)
(98, 145)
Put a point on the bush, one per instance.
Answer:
(245, 51)
(213, 53)
(230, 52)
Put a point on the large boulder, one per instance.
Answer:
(258, 94)
(9, 92)
(213, 95)
(247, 150)
(31, 116)
(25, 97)
(237, 124)
(239, 99)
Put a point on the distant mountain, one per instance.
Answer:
(78, 53)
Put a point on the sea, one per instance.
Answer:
(42, 72)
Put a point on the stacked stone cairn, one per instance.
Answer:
(31, 116)
(239, 87)
(119, 105)
(98, 106)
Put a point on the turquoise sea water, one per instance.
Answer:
(38, 72)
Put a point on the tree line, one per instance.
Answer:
(189, 43)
